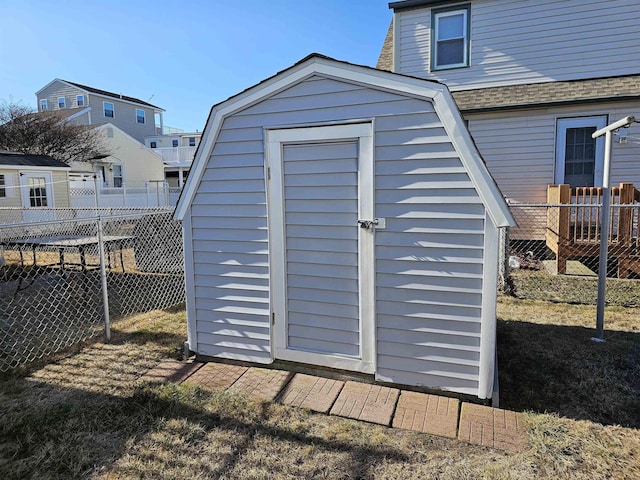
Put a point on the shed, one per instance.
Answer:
(28, 181)
(340, 216)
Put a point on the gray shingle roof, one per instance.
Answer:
(549, 93)
(113, 95)
(28, 160)
(385, 60)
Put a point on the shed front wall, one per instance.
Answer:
(428, 259)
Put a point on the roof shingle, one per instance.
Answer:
(111, 94)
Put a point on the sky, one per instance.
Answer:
(181, 56)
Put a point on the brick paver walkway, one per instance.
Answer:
(170, 371)
(427, 413)
(371, 403)
(432, 414)
(314, 393)
(262, 383)
(217, 376)
(491, 427)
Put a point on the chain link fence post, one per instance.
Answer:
(103, 281)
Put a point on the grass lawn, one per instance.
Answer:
(84, 416)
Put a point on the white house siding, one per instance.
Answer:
(428, 259)
(513, 42)
(519, 147)
(61, 189)
(12, 196)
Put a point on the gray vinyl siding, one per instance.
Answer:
(526, 42)
(519, 147)
(59, 89)
(428, 259)
(322, 249)
(124, 116)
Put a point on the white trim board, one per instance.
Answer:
(275, 141)
(437, 93)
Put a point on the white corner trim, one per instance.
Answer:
(488, 319)
(488, 191)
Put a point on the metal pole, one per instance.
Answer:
(103, 278)
(605, 216)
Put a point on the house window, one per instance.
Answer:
(118, 178)
(61, 102)
(450, 33)
(174, 143)
(139, 115)
(108, 109)
(37, 192)
(3, 189)
(80, 100)
(153, 144)
(579, 157)
(192, 141)
(43, 105)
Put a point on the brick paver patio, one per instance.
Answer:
(262, 383)
(427, 413)
(217, 376)
(170, 371)
(432, 414)
(314, 393)
(371, 403)
(491, 427)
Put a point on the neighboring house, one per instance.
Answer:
(533, 80)
(29, 181)
(129, 164)
(134, 116)
(340, 216)
(177, 151)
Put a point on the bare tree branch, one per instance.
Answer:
(48, 133)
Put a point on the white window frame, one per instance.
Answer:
(121, 176)
(153, 144)
(438, 14)
(176, 142)
(80, 100)
(104, 109)
(192, 141)
(44, 105)
(144, 117)
(62, 103)
(562, 124)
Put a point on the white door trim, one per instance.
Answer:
(24, 187)
(599, 122)
(275, 139)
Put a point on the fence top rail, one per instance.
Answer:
(8, 226)
(569, 205)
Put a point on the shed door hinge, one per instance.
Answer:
(268, 173)
(273, 318)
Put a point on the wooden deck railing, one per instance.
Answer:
(574, 230)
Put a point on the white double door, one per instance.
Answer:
(320, 198)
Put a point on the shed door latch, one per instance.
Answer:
(367, 224)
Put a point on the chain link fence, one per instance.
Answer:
(553, 253)
(63, 277)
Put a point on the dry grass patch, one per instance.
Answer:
(87, 416)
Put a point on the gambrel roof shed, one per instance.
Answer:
(341, 216)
